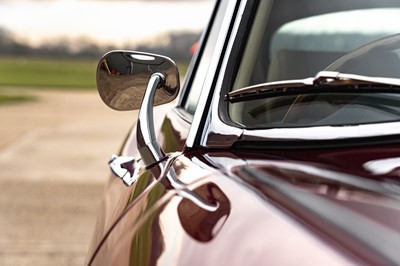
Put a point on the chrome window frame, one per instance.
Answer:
(201, 116)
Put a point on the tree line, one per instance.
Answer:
(175, 45)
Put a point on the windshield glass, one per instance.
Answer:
(297, 39)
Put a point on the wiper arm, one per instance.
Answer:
(324, 81)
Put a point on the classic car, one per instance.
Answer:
(281, 147)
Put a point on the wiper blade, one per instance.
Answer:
(324, 81)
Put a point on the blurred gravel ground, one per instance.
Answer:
(46, 223)
(53, 166)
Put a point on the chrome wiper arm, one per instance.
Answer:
(322, 81)
(334, 78)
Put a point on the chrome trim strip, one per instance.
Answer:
(325, 132)
(197, 129)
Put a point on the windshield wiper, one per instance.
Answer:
(324, 81)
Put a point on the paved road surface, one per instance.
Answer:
(53, 155)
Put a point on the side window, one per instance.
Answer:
(194, 86)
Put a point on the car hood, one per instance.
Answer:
(347, 195)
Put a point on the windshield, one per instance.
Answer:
(298, 39)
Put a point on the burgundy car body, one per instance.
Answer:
(291, 201)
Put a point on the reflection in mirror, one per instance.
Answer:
(122, 78)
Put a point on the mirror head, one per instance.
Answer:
(122, 78)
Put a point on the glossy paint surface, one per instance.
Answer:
(117, 197)
(253, 224)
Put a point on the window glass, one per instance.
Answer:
(201, 71)
(292, 40)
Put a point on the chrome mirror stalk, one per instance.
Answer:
(149, 149)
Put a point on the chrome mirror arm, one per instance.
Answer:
(150, 150)
(148, 147)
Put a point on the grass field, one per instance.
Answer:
(48, 73)
(70, 74)
(10, 99)
(52, 73)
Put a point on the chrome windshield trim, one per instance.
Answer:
(217, 133)
(197, 129)
(325, 132)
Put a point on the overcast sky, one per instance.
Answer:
(115, 22)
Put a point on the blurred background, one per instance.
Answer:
(56, 135)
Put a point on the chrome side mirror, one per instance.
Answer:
(128, 80)
(122, 78)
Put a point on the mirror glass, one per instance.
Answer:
(122, 78)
